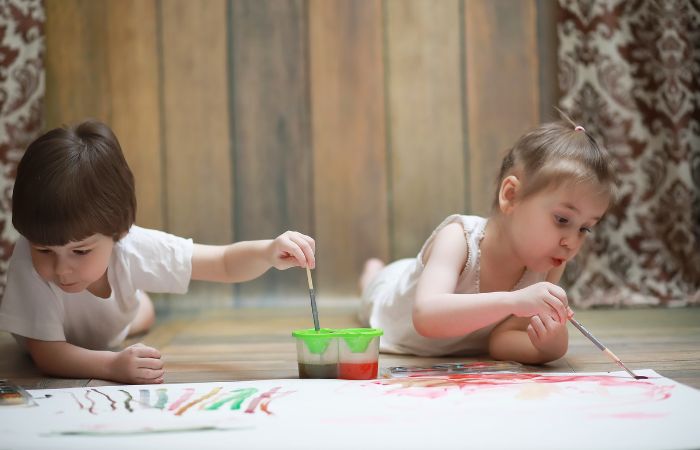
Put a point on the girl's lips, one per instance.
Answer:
(557, 262)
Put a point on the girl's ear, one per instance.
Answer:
(508, 193)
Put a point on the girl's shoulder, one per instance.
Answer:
(473, 226)
(472, 230)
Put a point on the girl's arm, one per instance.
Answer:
(514, 339)
(137, 364)
(440, 313)
(529, 340)
(247, 260)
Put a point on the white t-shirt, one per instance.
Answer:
(388, 299)
(144, 259)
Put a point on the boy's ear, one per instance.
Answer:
(508, 193)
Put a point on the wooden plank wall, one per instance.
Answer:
(360, 122)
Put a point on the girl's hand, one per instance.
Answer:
(544, 299)
(544, 333)
(138, 364)
(292, 249)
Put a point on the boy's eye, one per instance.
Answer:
(43, 250)
(81, 252)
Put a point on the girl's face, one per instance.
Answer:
(76, 266)
(550, 227)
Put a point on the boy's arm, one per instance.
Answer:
(247, 260)
(136, 364)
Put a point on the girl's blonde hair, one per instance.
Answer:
(556, 153)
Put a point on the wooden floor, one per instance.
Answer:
(257, 344)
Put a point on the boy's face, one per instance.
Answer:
(552, 225)
(76, 266)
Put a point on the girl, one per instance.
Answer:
(77, 274)
(489, 285)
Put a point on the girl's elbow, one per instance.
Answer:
(422, 323)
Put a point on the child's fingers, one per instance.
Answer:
(149, 375)
(559, 293)
(549, 323)
(150, 363)
(143, 351)
(559, 308)
(538, 326)
(306, 248)
(532, 334)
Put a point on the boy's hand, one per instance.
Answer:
(138, 364)
(292, 249)
(545, 334)
(545, 299)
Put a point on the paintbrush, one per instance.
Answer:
(604, 349)
(312, 295)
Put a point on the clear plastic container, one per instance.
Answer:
(358, 353)
(317, 353)
(348, 353)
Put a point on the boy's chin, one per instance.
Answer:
(71, 288)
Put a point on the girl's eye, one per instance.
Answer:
(586, 230)
(81, 252)
(561, 220)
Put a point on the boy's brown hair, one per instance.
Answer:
(73, 182)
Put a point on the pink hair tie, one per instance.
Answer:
(579, 128)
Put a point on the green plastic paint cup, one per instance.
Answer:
(348, 353)
(358, 353)
(317, 353)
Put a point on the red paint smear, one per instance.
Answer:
(187, 394)
(472, 382)
(264, 400)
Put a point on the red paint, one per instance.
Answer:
(358, 371)
(472, 383)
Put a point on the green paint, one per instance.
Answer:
(240, 395)
(316, 341)
(127, 402)
(162, 398)
(358, 339)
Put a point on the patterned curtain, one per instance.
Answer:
(630, 72)
(21, 94)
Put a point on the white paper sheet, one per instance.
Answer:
(504, 410)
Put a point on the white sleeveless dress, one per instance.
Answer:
(387, 301)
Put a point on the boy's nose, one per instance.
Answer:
(61, 268)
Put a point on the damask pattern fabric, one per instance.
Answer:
(21, 94)
(629, 71)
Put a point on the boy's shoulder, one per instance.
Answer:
(141, 241)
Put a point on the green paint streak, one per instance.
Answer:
(237, 399)
(162, 398)
(127, 402)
